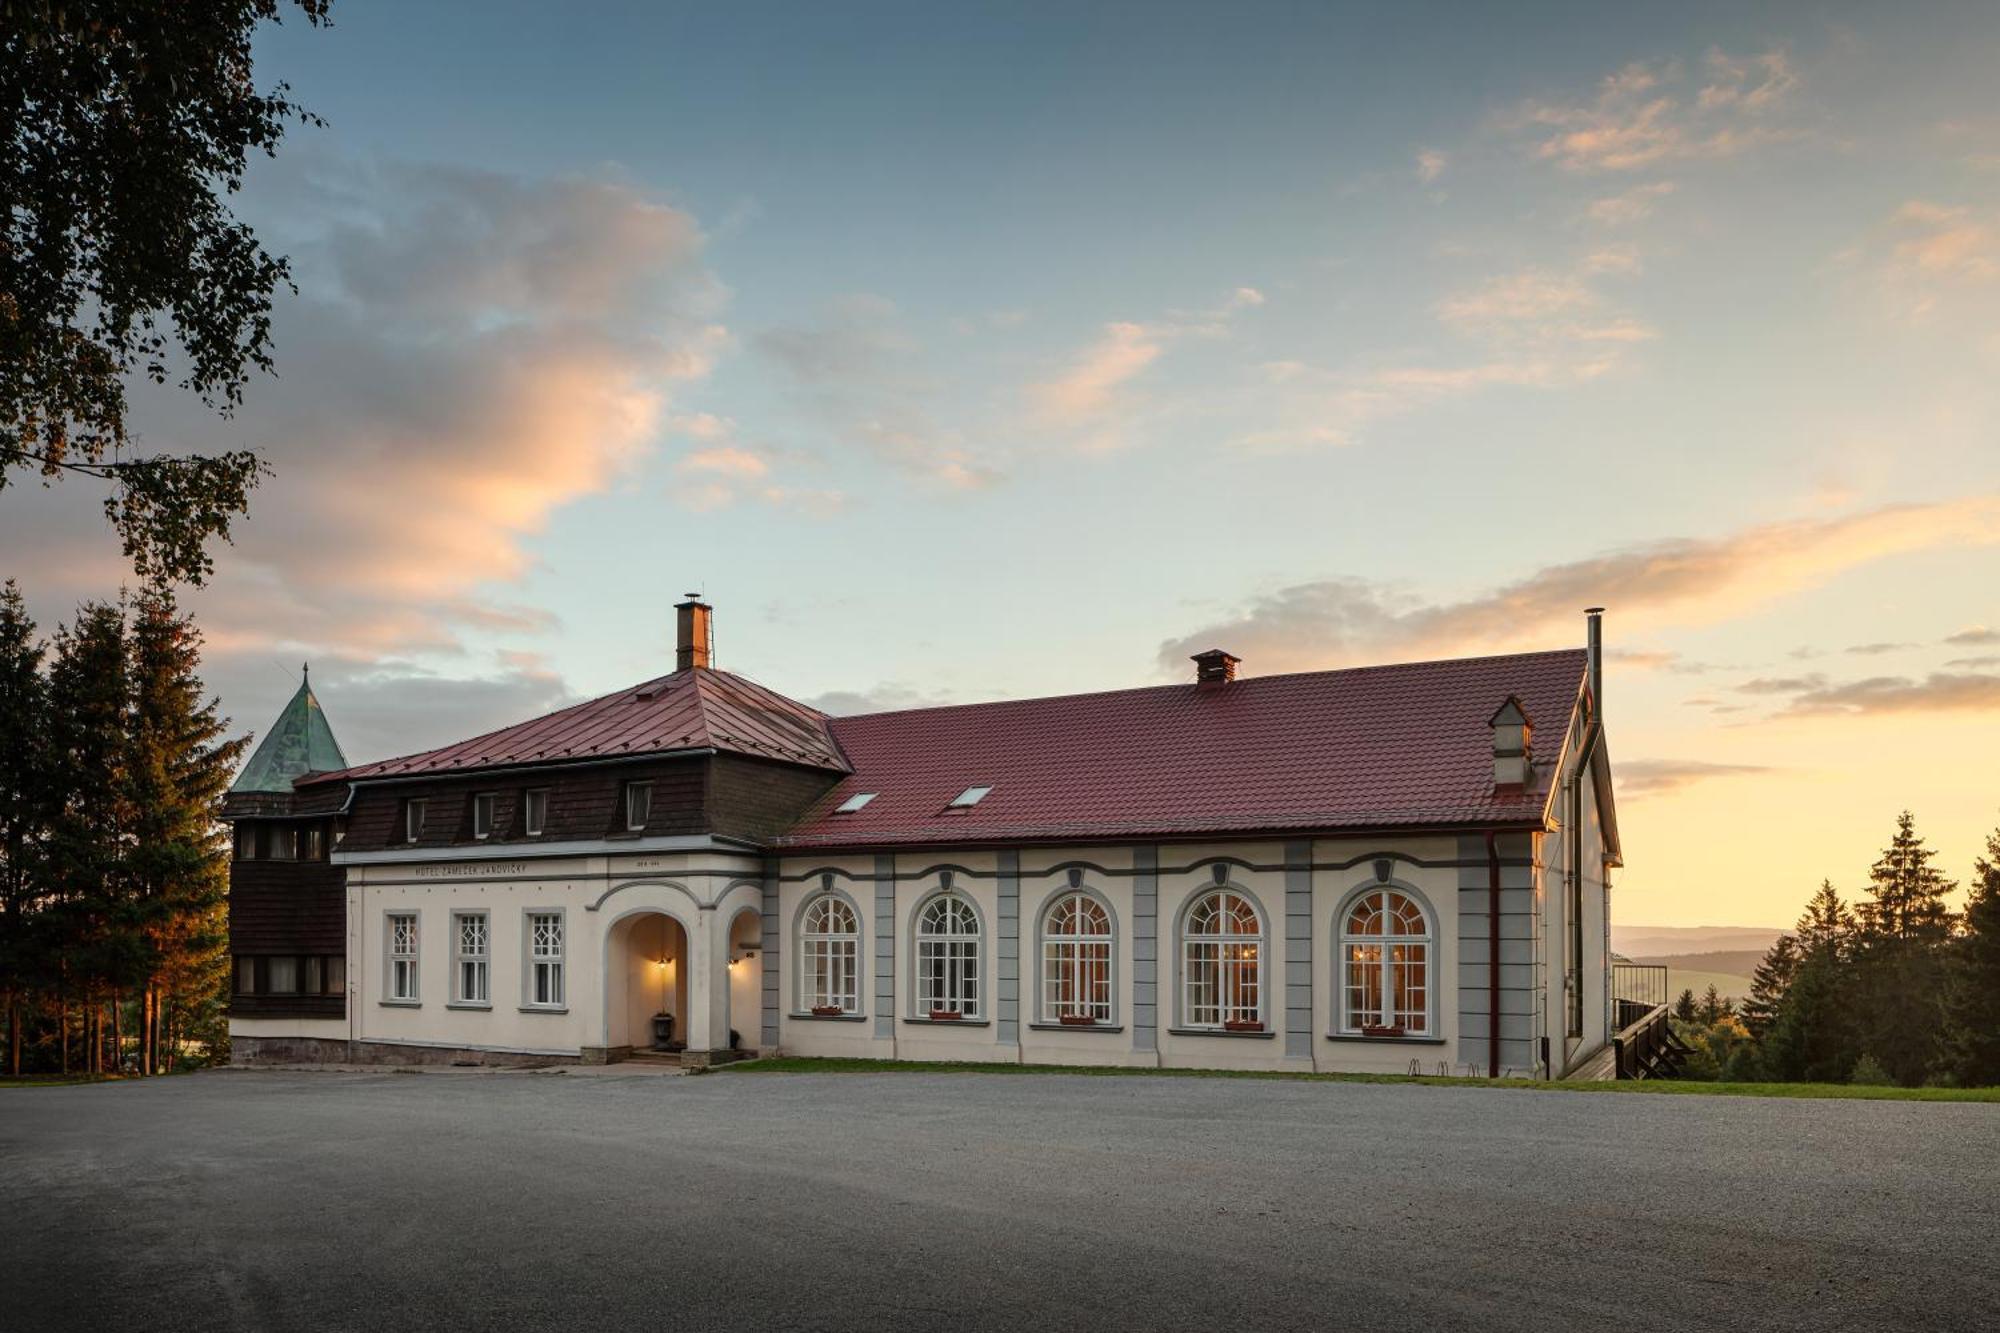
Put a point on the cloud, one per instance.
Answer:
(1975, 663)
(1431, 164)
(1974, 636)
(382, 709)
(471, 352)
(1944, 241)
(1941, 691)
(1642, 115)
(857, 374)
(890, 696)
(1535, 328)
(1087, 389)
(1876, 649)
(1782, 684)
(1343, 620)
(1639, 778)
(1093, 400)
(1628, 206)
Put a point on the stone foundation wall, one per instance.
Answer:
(324, 1051)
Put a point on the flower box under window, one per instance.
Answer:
(1381, 1030)
(946, 1015)
(1243, 1025)
(1077, 1021)
(827, 1011)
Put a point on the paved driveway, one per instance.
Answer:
(319, 1201)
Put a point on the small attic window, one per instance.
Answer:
(854, 803)
(968, 798)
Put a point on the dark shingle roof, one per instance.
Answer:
(688, 710)
(1374, 747)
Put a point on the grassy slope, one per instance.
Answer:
(803, 1065)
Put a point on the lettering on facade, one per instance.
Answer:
(481, 869)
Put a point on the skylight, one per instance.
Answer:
(854, 802)
(968, 798)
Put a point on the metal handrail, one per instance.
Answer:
(1636, 990)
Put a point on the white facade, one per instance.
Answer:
(714, 936)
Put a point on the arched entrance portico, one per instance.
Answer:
(648, 971)
(745, 941)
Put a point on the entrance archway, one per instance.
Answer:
(647, 967)
(746, 977)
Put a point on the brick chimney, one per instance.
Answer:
(694, 638)
(1214, 668)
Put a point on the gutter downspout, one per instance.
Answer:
(1492, 954)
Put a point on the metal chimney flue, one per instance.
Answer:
(1594, 658)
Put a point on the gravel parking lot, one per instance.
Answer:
(269, 1200)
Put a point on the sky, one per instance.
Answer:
(959, 353)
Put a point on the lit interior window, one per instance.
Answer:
(854, 802)
(968, 798)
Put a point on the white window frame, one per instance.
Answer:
(1222, 971)
(949, 940)
(534, 820)
(472, 960)
(634, 789)
(545, 976)
(415, 810)
(484, 803)
(829, 955)
(1078, 962)
(1398, 952)
(402, 970)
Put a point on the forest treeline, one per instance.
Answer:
(113, 867)
(1895, 988)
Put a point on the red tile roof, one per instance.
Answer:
(1375, 747)
(688, 710)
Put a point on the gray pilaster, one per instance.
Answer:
(885, 946)
(1145, 948)
(1007, 948)
(1298, 950)
(768, 1038)
(1520, 982)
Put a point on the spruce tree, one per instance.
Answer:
(1767, 985)
(1972, 997)
(25, 803)
(1711, 1005)
(86, 850)
(1901, 937)
(1813, 1035)
(1684, 1006)
(178, 765)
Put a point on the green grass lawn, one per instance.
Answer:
(1669, 1087)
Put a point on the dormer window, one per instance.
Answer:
(413, 820)
(482, 815)
(638, 806)
(968, 798)
(854, 803)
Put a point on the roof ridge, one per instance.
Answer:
(1240, 681)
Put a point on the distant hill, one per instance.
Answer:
(1728, 970)
(1678, 941)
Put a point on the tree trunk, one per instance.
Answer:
(117, 1031)
(14, 1032)
(62, 1028)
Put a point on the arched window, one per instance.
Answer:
(1222, 964)
(948, 958)
(829, 957)
(1076, 960)
(1385, 957)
